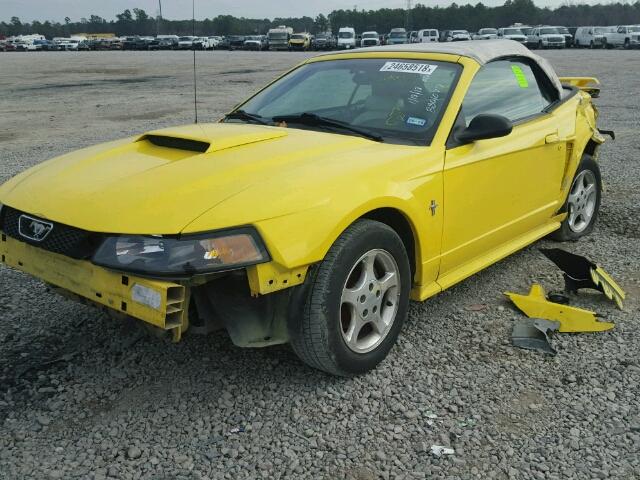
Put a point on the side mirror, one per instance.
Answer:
(485, 126)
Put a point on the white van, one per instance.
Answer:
(428, 35)
(346, 38)
(591, 37)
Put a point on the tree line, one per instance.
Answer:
(469, 17)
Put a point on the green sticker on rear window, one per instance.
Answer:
(519, 74)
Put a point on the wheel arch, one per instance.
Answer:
(402, 225)
(590, 148)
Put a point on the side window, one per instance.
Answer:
(505, 87)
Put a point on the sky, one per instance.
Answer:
(28, 10)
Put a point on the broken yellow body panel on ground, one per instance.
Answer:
(572, 319)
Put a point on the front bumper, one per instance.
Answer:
(159, 303)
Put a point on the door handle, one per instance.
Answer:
(552, 138)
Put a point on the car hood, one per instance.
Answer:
(137, 186)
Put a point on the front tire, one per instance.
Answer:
(583, 202)
(356, 303)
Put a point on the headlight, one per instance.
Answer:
(182, 256)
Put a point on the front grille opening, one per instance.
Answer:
(63, 239)
(178, 143)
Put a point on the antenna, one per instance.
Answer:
(408, 19)
(195, 77)
(159, 19)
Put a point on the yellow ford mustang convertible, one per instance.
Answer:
(312, 212)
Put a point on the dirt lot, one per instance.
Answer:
(82, 396)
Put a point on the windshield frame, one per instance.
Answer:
(389, 138)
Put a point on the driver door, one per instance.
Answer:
(498, 191)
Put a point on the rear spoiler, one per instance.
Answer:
(590, 85)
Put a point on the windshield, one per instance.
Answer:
(184, 39)
(547, 31)
(398, 35)
(488, 31)
(634, 29)
(278, 36)
(297, 37)
(512, 31)
(562, 30)
(459, 32)
(345, 35)
(369, 35)
(400, 100)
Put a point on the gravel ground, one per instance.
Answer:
(83, 396)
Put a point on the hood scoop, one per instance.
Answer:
(177, 143)
(212, 137)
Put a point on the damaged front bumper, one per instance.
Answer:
(162, 304)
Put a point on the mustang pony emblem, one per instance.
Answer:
(34, 229)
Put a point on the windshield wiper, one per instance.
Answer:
(312, 119)
(242, 115)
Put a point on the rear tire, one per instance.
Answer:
(583, 202)
(356, 302)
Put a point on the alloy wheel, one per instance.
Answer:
(582, 201)
(369, 302)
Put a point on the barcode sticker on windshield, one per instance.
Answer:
(407, 67)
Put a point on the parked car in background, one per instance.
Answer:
(186, 42)
(224, 43)
(456, 35)
(397, 36)
(98, 44)
(164, 42)
(486, 34)
(346, 38)
(201, 43)
(427, 35)
(279, 37)
(236, 42)
(214, 42)
(545, 37)
(526, 30)
(512, 33)
(589, 37)
(323, 41)
(568, 37)
(46, 45)
(626, 36)
(370, 39)
(413, 36)
(300, 41)
(136, 43)
(69, 44)
(256, 42)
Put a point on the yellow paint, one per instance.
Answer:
(610, 288)
(301, 189)
(572, 319)
(301, 43)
